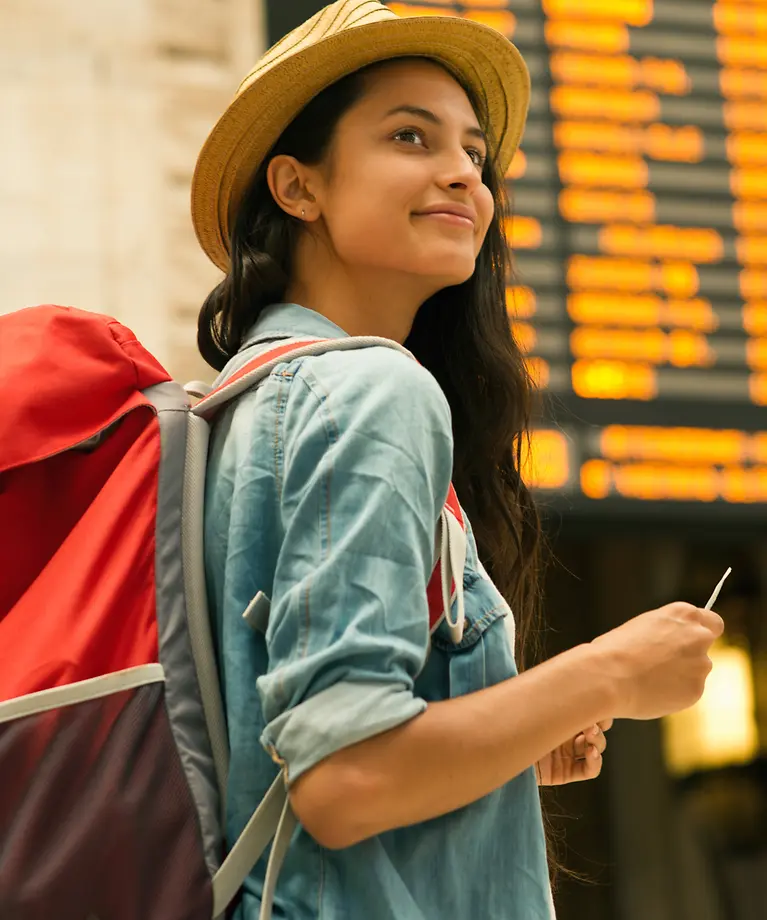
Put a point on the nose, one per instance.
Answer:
(458, 171)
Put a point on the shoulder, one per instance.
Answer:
(376, 386)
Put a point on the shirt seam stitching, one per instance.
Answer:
(330, 429)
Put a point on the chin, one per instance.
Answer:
(453, 277)
(449, 267)
(441, 283)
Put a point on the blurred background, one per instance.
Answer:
(640, 296)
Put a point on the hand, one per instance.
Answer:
(659, 660)
(577, 759)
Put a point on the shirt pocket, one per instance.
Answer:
(484, 656)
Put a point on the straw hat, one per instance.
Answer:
(340, 39)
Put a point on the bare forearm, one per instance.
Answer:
(456, 752)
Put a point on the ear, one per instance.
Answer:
(291, 183)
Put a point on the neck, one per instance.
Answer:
(362, 301)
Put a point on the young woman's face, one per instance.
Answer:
(402, 188)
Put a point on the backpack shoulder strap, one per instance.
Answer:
(446, 584)
(274, 817)
(444, 587)
(255, 370)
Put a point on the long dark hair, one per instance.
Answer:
(461, 334)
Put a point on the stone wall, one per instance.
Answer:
(103, 107)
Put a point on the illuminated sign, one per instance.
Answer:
(640, 240)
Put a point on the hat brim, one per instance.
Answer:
(483, 58)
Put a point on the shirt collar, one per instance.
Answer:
(290, 319)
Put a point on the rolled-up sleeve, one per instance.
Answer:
(363, 459)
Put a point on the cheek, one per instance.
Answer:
(485, 209)
(369, 222)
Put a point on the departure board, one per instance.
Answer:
(639, 234)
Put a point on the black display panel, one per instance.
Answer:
(640, 241)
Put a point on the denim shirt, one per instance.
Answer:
(325, 484)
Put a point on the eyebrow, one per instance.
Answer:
(429, 116)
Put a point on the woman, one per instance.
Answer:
(355, 187)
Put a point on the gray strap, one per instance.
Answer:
(267, 820)
(280, 846)
(197, 388)
(228, 391)
(198, 617)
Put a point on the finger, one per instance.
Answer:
(605, 725)
(589, 768)
(712, 621)
(596, 737)
(593, 762)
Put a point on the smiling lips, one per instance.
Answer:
(459, 215)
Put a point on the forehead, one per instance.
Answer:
(416, 82)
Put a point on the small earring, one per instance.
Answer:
(303, 214)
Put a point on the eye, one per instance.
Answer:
(408, 133)
(477, 157)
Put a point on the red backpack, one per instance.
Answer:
(113, 747)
